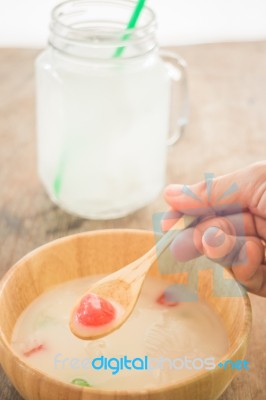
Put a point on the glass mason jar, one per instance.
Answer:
(103, 105)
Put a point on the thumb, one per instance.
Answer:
(244, 255)
(243, 189)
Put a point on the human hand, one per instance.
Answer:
(230, 229)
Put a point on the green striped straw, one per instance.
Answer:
(131, 25)
(57, 184)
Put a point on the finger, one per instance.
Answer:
(183, 246)
(241, 224)
(262, 290)
(188, 244)
(217, 245)
(169, 219)
(260, 224)
(207, 194)
(231, 250)
(244, 223)
(243, 189)
(245, 256)
(186, 200)
(247, 267)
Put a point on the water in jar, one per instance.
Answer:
(102, 131)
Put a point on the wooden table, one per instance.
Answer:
(227, 130)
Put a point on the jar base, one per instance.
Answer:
(108, 214)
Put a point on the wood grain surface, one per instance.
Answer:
(227, 130)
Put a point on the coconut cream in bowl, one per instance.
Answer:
(171, 347)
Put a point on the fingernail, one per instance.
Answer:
(213, 237)
(172, 190)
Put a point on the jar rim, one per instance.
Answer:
(57, 12)
(91, 28)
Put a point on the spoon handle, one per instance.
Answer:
(142, 265)
(183, 223)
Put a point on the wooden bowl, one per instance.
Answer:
(103, 252)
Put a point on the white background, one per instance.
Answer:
(25, 22)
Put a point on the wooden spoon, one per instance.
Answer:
(114, 297)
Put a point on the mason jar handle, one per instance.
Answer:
(177, 67)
